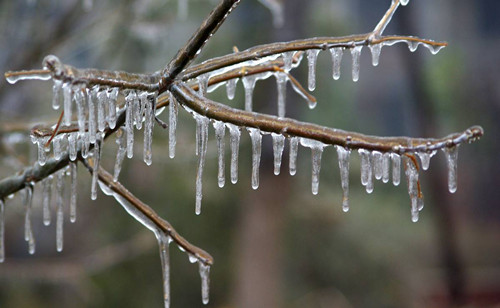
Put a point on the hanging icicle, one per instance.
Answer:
(278, 145)
(129, 122)
(95, 170)
(2, 231)
(59, 209)
(256, 138)
(231, 88)
(249, 85)
(316, 153)
(203, 139)
(148, 128)
(366, 170)
(343, 157)
(336, 59)
(73, 195)
(294, 148)
(234, 132)
(356, 53)
(205, 282)
(46, 192)
(376, 49)
(28, 231)
(281, 79)
(120, 154)
(112, 98)
(220, 131)
(451, 154)
(172, 125)
(396, 168)
(312, 56)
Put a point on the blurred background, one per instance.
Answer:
(278, 246)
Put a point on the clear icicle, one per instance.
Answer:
(57, 146)
(129, 122)
(95, 170)
(343, 156)
(205, 282)
(376, 50)
(316, 153)
(46, 191)
(294, 148)
(451, 160)
(73, 195)
(163, 243)
(92, 99)
(234, 133)
(404, 2)
(312, 56)
(172, 125)
(85, 140)
(278, 145)
(249, 85)
(386, 164)
(56, 94)
(59, 209)
(366, 170)
(80, 111)
(231, 87)
(377, 160)
(220, 131)
(281, 79)
(2, 230)
(425, 158)
(336, 59)
(203, 84)
(139, 105)
(433, 49)
(355, 53)
(112, 98)
(396, 168)
(256, 154)
(203, 123)
(120, 154)
(42, 150)
(413, 190)
(102, 98)
(287, 60)
(72, 142)
(413, 45)
(148, 130)
(28, 231)
(68, 96)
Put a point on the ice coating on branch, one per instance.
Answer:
(376, 50)
(377, 160)
(173, 109)
(278, 145)
(316, 153)
(163, 244)
(120, 153)
(425, 158)
(451, 154)
(234, 133)
(112, 98)
(355, 53)
(46, 191)
(68, 97)
(129, 122)
(73, 168)
(231, 87)
(386, 165)
(220, 131)
(312, 56)
(95, 170)
(256, 138)
(281, 79)
(2, 230)
(148, 128)
(56, 94)
(249, 85)
(413, 189)
(12, 79)
(343, 156)
(28, 231)
(294, 148)
(203, 138)
(337, 53)
(396, 168)
(59, 209)
(366, 170)
(205, 282)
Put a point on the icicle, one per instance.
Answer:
(72, 140)
(46, 191)
(316, 153)
(281, 79)
(396, 168)
(120, 154)
(92, 99)
(95, 170)
(366, 170)
(287, 60)
(12, 79)
(85, 141)
(376, 50)
(138, 111)
(68, 95)
(163, 243)
(59, 209)
(231, 87)
(256, 154)
(42, 149)
(80, 109)
(451, 160)
(148, 130)
(413, 190)
(112, 98)
(172, 125)
(205, 282)
(377, 160)
(337, 59)
(312, 56)
(28, 231)
(129, 122)
(2, 231)
(73, 196)
(343, 155)
(278, 145)
(249, 84)
(386, 164)
(102, 98)
(433, 49)
(413, 45)
(220, 131)
(425, 158)
(311, 102)
(234, 132)
(404, 2)
(356, 53)
(56, 94)
(203, 84)
(294, 147)
(57, 146)
(203, 123)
